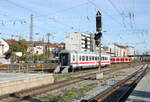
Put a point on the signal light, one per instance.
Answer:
(97, 43)
(98, 22)
(97, 36)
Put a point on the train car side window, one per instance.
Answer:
(95, 58)
(86, 58)
(82, 58)
(112, 59)
(92, 57)
(102, 58)
(73, 58)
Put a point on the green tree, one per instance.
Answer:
(19, 46)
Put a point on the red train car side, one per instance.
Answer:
(120, 59)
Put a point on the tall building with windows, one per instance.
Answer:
(78, 41)
(81, 42)
(120, 50)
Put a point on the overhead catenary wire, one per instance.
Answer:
(63, 10)
(23, 7)
(118, 11)
(40, 15)
(91, 2)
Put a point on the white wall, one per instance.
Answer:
(75, 41)
(4, 47)
(131, 50)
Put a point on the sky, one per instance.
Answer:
(125, 22)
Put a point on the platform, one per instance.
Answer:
(13, 82)
(142, 91)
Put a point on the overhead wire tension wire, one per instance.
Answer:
(59, 11)
(42, 15)
(118, 11)
(12, 20)
(63, 10)
(21, 20)
(4, 14)
(57, 21)
(115, 20)
(23, 7)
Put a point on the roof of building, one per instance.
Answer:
(49, 44)
(121, 46)
(39, 42)
(9, 41)
(105, 48)
(56, 44)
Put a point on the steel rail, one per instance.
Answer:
(26, 94)
(101, 96)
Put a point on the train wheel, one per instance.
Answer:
(81, 68)
(70, 69)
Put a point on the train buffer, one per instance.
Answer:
(60, 69)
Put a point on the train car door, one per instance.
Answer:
(64, 59)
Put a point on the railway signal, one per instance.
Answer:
(98, 22)
(97, 37)
(98, 41)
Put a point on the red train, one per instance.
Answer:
(120, 59)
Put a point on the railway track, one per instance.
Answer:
(27, 94)
(17, 70)
(29, 69)
(120, 91)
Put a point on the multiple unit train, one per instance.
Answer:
(80, 60)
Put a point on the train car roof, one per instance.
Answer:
(84, 52)
(119, 57)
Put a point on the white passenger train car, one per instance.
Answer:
(81, 60)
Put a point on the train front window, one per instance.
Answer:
(64, 59)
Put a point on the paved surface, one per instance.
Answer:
(14, 82)
(142, 91)
(5, 77)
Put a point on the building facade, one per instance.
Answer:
(4, 47)
(79, 41)
(55, 48)
(118, 50)
(40, 47)
(131, 50)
